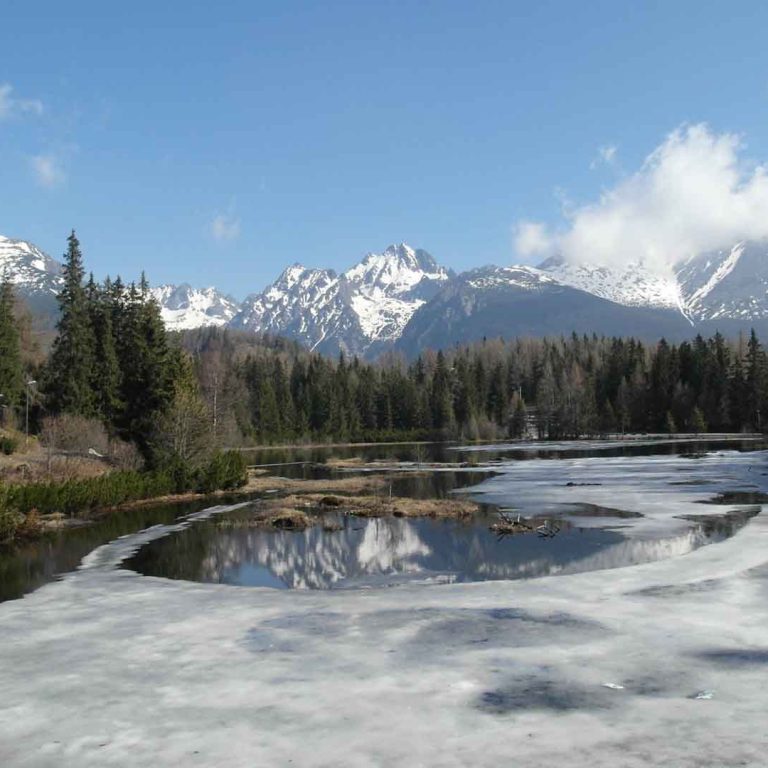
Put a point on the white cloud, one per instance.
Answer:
(693, 193)
(532, 239)
(605, 156)
(11, 106)
(225, 227)
(47, 170)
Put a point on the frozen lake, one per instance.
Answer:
(594, 662)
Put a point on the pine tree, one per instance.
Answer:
(442, 398)
(182, 431)
(519, 423)
(756, 378)
(148, 367)
(11, 373)
(105, 379)
(68, 377)
(698, 424)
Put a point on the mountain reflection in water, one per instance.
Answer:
(387, 551)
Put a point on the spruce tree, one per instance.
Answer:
(11, 373)
(68, 377)
(105, 379)
(756, 378)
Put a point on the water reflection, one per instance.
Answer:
(388, 551)
(28, 565)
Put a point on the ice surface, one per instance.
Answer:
(109, 668)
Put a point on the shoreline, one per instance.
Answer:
(618, 438)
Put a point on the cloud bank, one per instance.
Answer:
(693, 193)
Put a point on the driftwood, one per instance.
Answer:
(508, 525)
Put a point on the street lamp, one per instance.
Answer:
(26, 418)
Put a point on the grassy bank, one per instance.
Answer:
(21, 505)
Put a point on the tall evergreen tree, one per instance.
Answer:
(757, 377)
(68, 377)
(11, 373)
(105, 378)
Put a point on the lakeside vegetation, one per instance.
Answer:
(114, 387)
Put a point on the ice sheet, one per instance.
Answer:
(656, 664)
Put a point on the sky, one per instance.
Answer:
(217, 143)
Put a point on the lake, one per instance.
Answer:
(608, 504)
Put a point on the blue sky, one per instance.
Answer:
(215, 144)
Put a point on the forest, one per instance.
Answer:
(268, 390)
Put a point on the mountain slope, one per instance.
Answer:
(35, 275)
(183, 307)
(730, 284)
(361, 312)
(493, 302)
(633, 284)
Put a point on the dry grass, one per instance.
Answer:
(36, 467)
(299, 511)
(259, 483)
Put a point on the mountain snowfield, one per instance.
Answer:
(183, 307)
(402, 298)
(26, 265)
(361, 311)
(633, 284)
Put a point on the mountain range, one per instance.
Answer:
(403, 299)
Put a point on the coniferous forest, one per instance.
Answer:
(273, 391)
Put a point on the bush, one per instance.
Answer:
(20, 505)
(74, 434)
(10, 518)
(8, 444)
(226, 471)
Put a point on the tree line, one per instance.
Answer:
(268, 391)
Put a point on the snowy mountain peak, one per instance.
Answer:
(183, 307)
(36, 275)
(398, 270)
(365, 308)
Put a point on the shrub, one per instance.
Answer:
(8, 444)
(226, 471)
(74, 434)
(21, 504)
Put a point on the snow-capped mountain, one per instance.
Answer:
(387, 288)
(360, 311)
(508, 302)
(401, 298)
(728, 284)
(36, 276)
(183, 307)
(633, 284)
